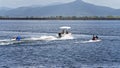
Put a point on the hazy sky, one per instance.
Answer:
(20, 3)
(108, 3)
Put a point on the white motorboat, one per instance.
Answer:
(65, 33)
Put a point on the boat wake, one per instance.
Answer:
(42, 38)
(48, 38)
(9, 41)
(63, 35)
(89, 41)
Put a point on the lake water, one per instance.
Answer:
(72, 53)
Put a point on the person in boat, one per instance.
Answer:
(67, 32)
(63, 31)
(59, 35)
(95, 37)
(18, 38)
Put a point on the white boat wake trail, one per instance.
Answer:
(9, 41)
(42, 38)
(63, 35)
(89, 41)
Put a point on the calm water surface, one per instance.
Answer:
(60, 53)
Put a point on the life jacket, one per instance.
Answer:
(18, 38)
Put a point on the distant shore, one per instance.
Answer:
(62, 18)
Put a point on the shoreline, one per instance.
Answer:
(60, 18)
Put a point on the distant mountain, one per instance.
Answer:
(4, 9)
(76, 8)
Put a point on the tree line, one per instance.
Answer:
(61, 18)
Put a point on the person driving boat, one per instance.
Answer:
(95, 37)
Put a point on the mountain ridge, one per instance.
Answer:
(76, 8)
